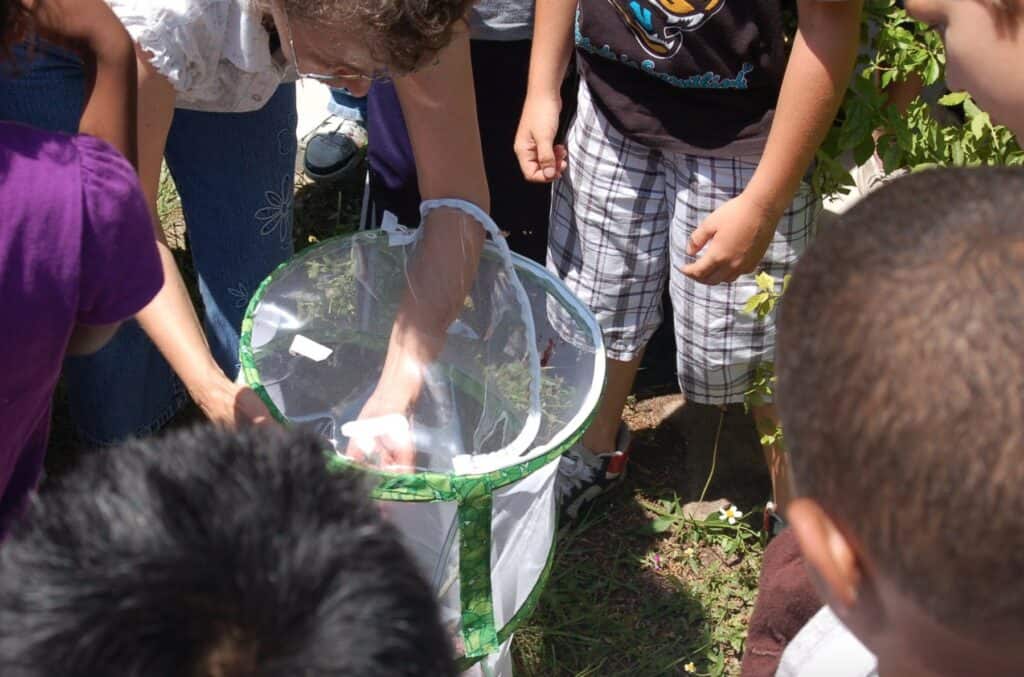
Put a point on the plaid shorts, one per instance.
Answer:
(621, 216)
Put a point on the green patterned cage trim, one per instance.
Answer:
(472, 493)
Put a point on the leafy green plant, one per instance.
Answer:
(896, 48)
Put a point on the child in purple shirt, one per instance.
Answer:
(77, 257)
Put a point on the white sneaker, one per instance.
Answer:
(871, 175)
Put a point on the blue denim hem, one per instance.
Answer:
(180, 399)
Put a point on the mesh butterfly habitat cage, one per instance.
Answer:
(518, 378)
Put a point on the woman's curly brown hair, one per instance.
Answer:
(15, 23)
(403, 34)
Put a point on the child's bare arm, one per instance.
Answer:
(169, 319)
(539, 158)
(96, 34)
(738, 233)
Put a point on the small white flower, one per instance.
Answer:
(690, 668)
(730, 514)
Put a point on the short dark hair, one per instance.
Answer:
(214, 554)
(403, 34)
(901, 387)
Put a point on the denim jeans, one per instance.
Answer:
(344, 105)
(234, 173)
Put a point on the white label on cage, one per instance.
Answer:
(309, 348)
(397, 233)
(394, 425)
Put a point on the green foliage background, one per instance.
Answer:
(895, 48)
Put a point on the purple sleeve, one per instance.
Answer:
(120, 265)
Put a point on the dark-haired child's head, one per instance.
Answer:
(213, 554)
(901, 390)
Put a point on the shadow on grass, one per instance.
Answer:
(323, 210)
(735, 471)
(624, 600)
(604, 611)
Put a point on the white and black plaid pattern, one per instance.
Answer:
(620, 219)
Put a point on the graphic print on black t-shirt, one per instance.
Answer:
(659, 25)
(727, 57)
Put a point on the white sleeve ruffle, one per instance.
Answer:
(185, 38)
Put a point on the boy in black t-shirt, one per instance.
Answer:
(685, 161)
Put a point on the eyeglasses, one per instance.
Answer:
(377, 75)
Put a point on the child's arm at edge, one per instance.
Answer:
(170, 319)
(737, 234)
(92, 29)
(540, 160)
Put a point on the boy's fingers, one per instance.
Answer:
(698, 239)
(561, 158)
(702, 269)
(526, 153)
(546, 155)
(523, 154)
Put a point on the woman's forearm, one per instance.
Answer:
(439, 104)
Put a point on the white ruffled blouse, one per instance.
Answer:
(216, 53)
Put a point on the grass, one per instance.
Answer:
(644, 601)
(647, 584)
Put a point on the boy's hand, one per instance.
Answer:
(734, 239)
(540, 159)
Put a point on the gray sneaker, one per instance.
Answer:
(334, 150)
(583, 476)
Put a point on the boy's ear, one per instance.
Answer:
(830, 556)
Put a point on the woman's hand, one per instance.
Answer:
(229, 404)
(391, 447)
